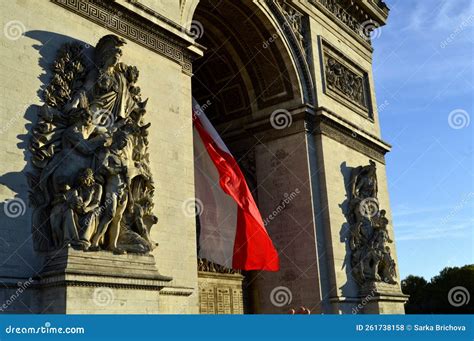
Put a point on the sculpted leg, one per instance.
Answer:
(88, 229)
(114, 229)
(104, 223)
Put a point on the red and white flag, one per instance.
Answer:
(232, 232)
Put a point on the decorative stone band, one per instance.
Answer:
(81, 280)
(78, 268)
(154, 13)
(294, 19)
(348, 14)
(208, 266)
(177, 291)
(320, 121)
(332, 125)
(120, 20)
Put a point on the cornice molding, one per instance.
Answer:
(353, 17)
(157, 15)
(354, 128)
(62, 280)
(319, 121)
(347, 134)
(134, 27)
(176, 291)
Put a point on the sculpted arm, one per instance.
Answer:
(86, 147)
(95, 199)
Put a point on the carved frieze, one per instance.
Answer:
(336, 8)
(345, 81)
(108, 14)
(208, 266)
(341, 79)
(350, 15)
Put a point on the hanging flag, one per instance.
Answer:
(231, 232)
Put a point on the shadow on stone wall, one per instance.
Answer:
(18, 256)
(349, 289)
(15, 233)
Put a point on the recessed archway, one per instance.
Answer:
(247, 72)
(247, 69)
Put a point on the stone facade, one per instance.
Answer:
(25, 66)
(286, 60)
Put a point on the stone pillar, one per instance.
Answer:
(285, 199)
(345, 135)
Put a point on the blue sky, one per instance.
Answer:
(424, 80)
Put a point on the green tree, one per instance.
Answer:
(414, 286)
(447, 293)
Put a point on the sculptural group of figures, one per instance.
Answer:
(340, 77)
(208, 266)
(371, 259)
(92, 187)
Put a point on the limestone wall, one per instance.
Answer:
(24, 71)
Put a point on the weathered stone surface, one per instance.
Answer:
(381, 298)
(220, 293)
(77, 282)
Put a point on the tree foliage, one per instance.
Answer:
(452, 285)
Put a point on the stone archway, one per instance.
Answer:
(249, 69)
(247, 66)
(255, 65)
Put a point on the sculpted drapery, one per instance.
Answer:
(91, 187)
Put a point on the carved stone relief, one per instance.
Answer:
(287, 16)
(345, 80)
(293, 18)
(208, 266)
(371, 258)
(91, 186)
(340, 78)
